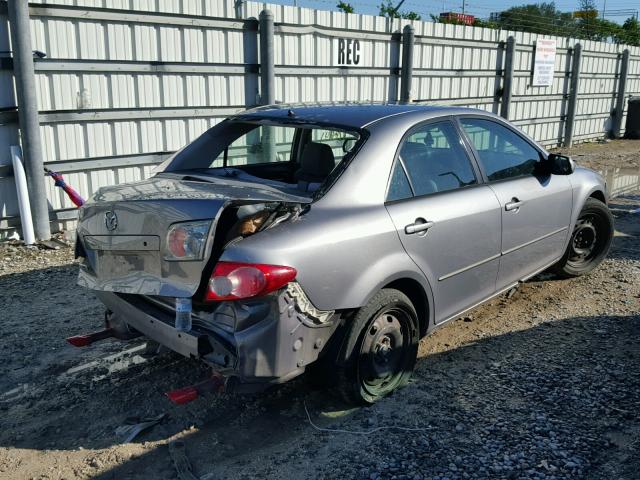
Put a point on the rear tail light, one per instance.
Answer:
(186, 241)
(234, 281)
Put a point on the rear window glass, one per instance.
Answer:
(264, 144)
(291, 157)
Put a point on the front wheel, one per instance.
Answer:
(380, 348)
(590, 240)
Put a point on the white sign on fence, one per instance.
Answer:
(544, 62)
(348, 52)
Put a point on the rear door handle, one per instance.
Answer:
(420, 225)
(514, 204)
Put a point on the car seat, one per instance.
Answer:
(316, 163)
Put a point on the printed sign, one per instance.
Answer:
(348, 52)
(544, 62)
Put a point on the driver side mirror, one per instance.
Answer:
(560, 164)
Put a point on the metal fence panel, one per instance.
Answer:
(126, 82)
(8, 125)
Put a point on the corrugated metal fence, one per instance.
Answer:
(126, 82)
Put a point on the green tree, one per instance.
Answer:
(630, 32)
(545, 18)
(589, 25)
(542, 18)
(345, 7)
(388, 9)
(478, 22)
(605, 30)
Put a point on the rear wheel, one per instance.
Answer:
(380, 348)
(590, 240)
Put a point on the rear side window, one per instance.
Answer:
(399, 187)
(435, 159)
(339, 141)
(502, 153)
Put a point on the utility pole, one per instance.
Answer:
(395, 10)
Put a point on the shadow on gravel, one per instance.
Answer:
(552, 400)
(625, 243)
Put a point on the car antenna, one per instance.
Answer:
(291, 113)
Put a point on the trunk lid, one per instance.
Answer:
(122, 231)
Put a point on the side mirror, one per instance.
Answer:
(560, 164)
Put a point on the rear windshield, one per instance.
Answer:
(292, 157)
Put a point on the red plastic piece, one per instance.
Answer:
(77, 200)
(187, 394)
(84, 340)
(80, 340)
(182, 395)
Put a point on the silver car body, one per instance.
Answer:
(345, 245)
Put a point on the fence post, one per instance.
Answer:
(408, 42)
(622, 87)
(573, 95)
(28, 116)
(507, 76)
(267, 73)
(237, 6)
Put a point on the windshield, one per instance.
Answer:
(290, 157)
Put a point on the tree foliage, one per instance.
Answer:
(345, 7)
(388, 9)
(545, 18)
(537, 18)
(630, 32)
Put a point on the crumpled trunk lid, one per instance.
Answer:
(122, 231)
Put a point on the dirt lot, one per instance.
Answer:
(607, 154)
(542, 385)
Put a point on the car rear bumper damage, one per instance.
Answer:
(254, 343)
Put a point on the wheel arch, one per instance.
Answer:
(419, 298)
(598, 195)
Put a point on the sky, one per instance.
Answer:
(479, 8)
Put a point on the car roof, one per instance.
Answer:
(346, 115)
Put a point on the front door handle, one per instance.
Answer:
(420, 225)
(514, 204)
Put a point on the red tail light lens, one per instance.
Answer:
(234, 281)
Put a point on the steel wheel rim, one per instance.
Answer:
(587, 240)
(384, 351)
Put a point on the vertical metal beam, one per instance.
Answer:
(267, 83)
(507, 77)
(237, 6)
(267, 72)
(394, 67)
(408, 43)
(618, 113)
(573, 95)
(28, 115)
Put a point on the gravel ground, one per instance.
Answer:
(606, 154)
(542, 385)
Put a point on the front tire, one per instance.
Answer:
(590, 240)
(380, 348)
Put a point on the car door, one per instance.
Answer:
(536, 207)
(447, 221)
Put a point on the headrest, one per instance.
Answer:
(316, 162)
(414, 151)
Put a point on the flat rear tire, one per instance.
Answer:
(380, 349)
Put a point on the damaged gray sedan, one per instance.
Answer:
(331, 238)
